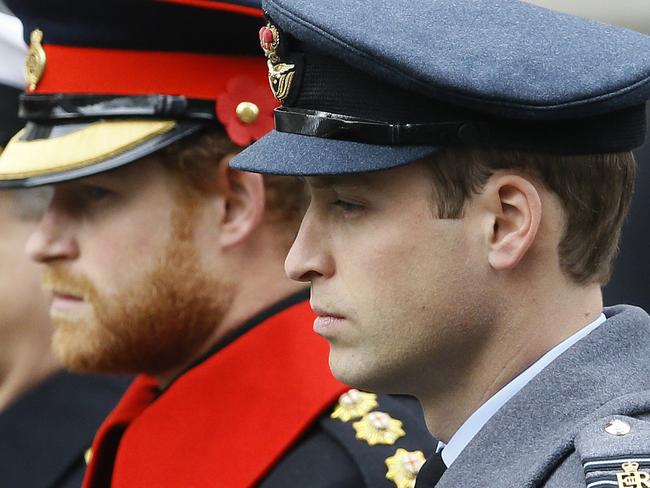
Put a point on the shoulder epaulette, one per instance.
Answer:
(615, 452)
(385, 436)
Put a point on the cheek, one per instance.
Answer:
(111, 255)
(409, 271)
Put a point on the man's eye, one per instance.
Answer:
(96, 193)
(346, 206)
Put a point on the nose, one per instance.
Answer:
(52, 239)
(309, 258)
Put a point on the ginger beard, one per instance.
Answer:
(158, 323)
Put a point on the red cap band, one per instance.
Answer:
(80, 70)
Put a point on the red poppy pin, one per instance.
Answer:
(246, 110)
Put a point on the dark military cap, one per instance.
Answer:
(368, 85)
(12, 50)
(111, 82)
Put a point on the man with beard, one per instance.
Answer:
(48, 417)
(469, 183)
(164, 261)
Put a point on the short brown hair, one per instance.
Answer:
(595, 191)
(196, 159)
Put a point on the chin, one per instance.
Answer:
(360, 374)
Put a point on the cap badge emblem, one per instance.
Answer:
(280, 74)
(378, 428)
(354, 404)
(270, 41)
(403, 467)
(35, 61)
(632, 477)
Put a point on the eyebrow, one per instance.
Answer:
(321, 182)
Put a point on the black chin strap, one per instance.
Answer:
(622, 130)
(58, 108)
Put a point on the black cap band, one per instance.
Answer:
(61, 108)
(332, 100)
(623, 130)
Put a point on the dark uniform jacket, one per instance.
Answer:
(45, 433)
(262, 409)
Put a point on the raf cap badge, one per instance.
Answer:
(280, 74)
(379, 428)
(632, 477)
(353, 404)
(403, 467)
(35, 61)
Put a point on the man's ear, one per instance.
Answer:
(243, 201)
(516, 213)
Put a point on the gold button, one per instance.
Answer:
(617, 427)
(247, 112)
(88, 455)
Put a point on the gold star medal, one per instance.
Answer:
(379, 428)
(353, 404)
(403, 467)
(36, 59)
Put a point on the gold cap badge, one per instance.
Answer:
(632, 477)
(354, 404)
(403, 467)
(378, 428)
(280, 74)
(36, 60)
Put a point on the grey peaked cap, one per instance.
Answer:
(503, 58)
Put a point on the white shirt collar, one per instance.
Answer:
(480, 417)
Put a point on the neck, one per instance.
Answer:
(258, 266)
(27, 362)
(520, 336)
(246, 304)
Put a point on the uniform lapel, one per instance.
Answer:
(534, 431)
(229, 419)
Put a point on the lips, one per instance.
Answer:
(66, 296)
(324, 313)
(327, 322)
(65, 302)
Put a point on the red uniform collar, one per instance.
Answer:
(229, 419)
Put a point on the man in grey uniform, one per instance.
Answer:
(470, 171)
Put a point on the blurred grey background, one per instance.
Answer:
(633, 14)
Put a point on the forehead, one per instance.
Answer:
(409, 178)
(143, 173)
